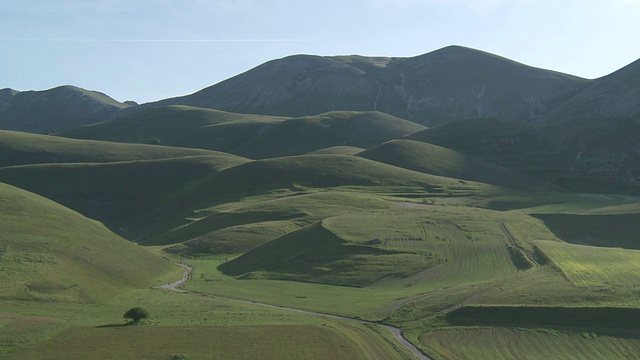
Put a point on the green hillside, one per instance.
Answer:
(18, 148)
(51, 253)
(303, 135)
(182, 126)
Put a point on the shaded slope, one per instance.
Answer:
(59, 108)
(51, 253)
(619, 230)
(18, 148)
(303, 135)
(436, 160)
(442, 86)
(139, 196)
(182, 126)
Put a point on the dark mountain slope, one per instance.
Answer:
(615, 95)
(601, 156)
(442, 86)
(60, 108)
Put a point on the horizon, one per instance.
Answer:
(127, 51)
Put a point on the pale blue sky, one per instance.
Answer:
(146, 50)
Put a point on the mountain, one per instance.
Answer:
(614, 95)
(600, 155)
(55, 109)
(435, 88)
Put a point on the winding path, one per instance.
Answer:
(528, 253)
(397, 333)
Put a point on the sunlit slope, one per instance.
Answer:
(182, 126)
(51, 253)
(423, 246)
(340, 150)
(437, 160)
(18, 148)
(134, 195)
(592, 266)
(337, 128)
(236, 227)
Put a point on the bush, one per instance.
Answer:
(136, 314)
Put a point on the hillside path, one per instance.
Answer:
(174, 285)
(528, 253)
(397, 333)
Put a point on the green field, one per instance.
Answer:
(402, 233)
(520, 343)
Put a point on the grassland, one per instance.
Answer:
(376, 237)
(522, 343)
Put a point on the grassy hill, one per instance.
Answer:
(181, 126)
(19, 148)
(307, 134)
(51, 253)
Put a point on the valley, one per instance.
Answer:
(465, 219)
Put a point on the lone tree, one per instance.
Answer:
(136, 314)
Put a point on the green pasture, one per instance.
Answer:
(520, 343)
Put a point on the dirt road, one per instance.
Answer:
(397, 333)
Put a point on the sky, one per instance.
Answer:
(146, 50)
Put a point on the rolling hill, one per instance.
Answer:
(182, 126)
(18, 148)
(436, 160)
(302, 135)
